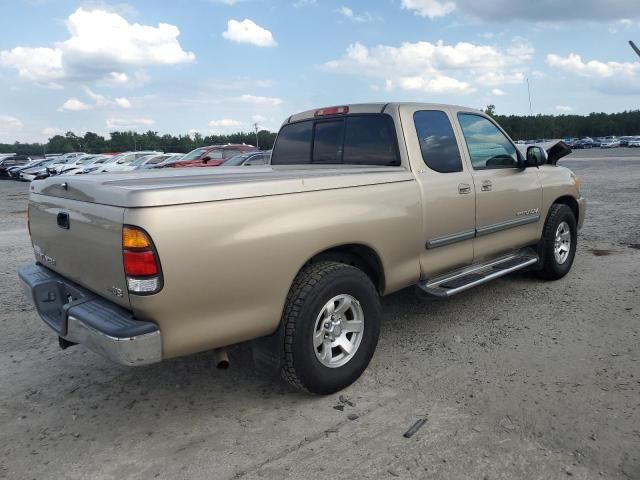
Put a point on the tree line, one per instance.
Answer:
(127, 140)
(519, 127)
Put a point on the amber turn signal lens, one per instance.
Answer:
(134, 238)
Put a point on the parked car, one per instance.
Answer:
(152, 161)
(633, 142)
(610, 142)
(10, 162)
(585, 142)
(83, 164)
(624, 140)
(211, 156)
(360, 201)
(38, 172)
(14, 172)
(121, 162)
(249, 159)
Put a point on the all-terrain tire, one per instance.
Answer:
(552, 265)
(314, 286)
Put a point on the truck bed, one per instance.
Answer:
(190, 185)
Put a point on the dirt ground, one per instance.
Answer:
(517, 379)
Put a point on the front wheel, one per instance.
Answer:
(558, 243)
(332, 324)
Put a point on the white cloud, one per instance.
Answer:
(224, 123)
(74, 105)
(258, 118)
(247, 31)
(497, 92)
(593, 68)
(99, 101)
(42, 65)
(102, 45)
(8, 124)
(50, 131)
(564, 108)
(116, 123)
(247, 98)
(351, 15)
(436, 68)
(608, 77)
(429, 8)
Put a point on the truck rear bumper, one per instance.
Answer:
(80, 316)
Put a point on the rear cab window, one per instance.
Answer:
(438, 143)
(357, 139)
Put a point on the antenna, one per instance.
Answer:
(635, 49)
(529, 93)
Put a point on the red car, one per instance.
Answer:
(211, 156)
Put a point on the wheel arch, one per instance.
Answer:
(570, 202)
(358, 255)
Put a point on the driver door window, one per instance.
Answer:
(488, 147)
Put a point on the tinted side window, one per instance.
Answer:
(327, 143)
(230, 153)
(293, 144)
(437, 141)
(370, 140)
(488, 147)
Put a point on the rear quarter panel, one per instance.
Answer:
(228, 265)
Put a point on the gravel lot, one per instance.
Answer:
(517, 379)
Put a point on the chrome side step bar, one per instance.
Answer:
(458, 281)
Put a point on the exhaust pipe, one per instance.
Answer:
(221, 358)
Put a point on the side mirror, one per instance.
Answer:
(536, 156)
(206, 159)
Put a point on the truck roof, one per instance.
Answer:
(375, 107)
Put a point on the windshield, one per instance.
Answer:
(192, 155)
(141, 160)
(86, 160)
(237, 160)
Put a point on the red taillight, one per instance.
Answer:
(332, 111)
(140, 264)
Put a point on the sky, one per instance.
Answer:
(220, 66)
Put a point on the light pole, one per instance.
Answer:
(255, 126)
(635, 49)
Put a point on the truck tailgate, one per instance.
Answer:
(81, 241)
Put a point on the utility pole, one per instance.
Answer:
(529, 93)
(255, 126)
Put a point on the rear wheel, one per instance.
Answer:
(332, 323)
(558, 243)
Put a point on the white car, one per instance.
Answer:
(85, 164)
(120, 162)
(149, 161)
(610, 142)
(634, 142)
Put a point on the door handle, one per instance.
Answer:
(486, 185)
(464, 188)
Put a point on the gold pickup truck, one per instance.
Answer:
(359, 201)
